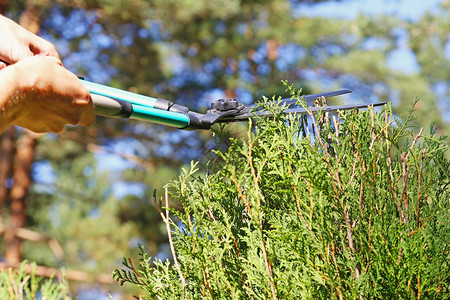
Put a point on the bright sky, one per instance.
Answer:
(408, 9)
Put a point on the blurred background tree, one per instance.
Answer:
(88, 191)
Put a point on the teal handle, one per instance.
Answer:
(159, 116)
(108, 91)
(142, 106)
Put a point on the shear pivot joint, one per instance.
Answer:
(224, 104)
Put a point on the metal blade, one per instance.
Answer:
(301, 111)
(312, 97)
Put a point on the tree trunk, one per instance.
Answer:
(23, 159)
(6, 160)
(22, 178)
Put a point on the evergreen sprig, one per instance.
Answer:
(132, 275)
(343, 206)
(23, 283)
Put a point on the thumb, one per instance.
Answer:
(43, 48)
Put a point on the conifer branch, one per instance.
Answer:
(166, 220)
(419, 188)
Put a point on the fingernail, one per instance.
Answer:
(81, 101)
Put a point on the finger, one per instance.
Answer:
(55, 126)
(51, 50)
(88, 115)
(4, 59)
(51, 58)
(43, 47)
(58, 119)
(87, 118)
(16, 54)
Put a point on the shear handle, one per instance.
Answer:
(110, 107)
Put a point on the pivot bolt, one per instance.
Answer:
(225, 104)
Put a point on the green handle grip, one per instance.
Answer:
(112, 102)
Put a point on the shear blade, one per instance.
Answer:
(298, 111)
(312, 97)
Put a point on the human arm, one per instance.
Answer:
(17, 43)
(39, 94)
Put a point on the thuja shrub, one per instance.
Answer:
(24, 284)
(347, 206)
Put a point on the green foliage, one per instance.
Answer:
(73, 209)
(344, 206)
(19, 285)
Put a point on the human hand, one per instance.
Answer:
(18, 43)
(43, 96)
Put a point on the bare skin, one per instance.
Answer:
(37, 92)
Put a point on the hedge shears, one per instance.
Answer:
(113, 102)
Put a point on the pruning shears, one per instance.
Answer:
(112, 102)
